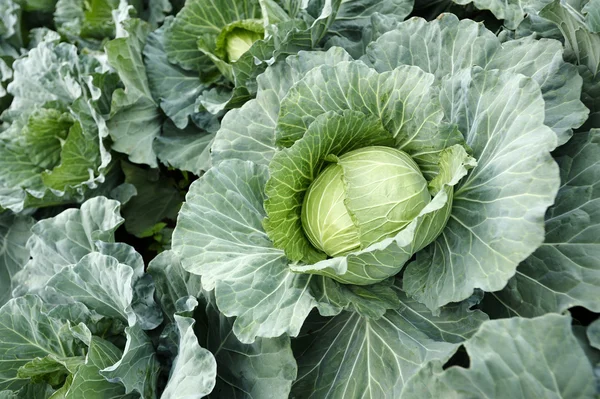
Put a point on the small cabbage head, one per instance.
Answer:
(238, 41)
(366, 195)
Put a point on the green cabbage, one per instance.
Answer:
(391, 193)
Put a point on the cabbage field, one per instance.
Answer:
(303, 199)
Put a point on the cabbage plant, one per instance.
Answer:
(304, 147)
(416, 177)
(227, 43)
(51, 144)
(215, 39)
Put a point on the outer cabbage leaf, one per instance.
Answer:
(581, 44)
(500, 194)
(44, 6)
(511, 11)
(538, 26)
(42, 34)
(187, 149)
(135, 120)
(14, 233)
(193, 365)
(445, 46)
(409, 111)
(6, 74)
(138, 368)
(32, 391)
(238, 135)
(99, 282)
(542, 60)
(516, 358)
(90, 287)
(593, 334)
(157, 12)
(59, 70)
(10, 22)
(86, 23)
(591, 97)
(266, 367)
(587, 340)
(357, 22)
(84, 323)
(172, 282)
(122, 252)
(221, 238)
(50, 368)
(87, 382)
(564, 272)
(593, 338)
(248, 133)
(592, 15)
(194, 369)
(353, 356)
(27, 332)
(582, 41)
(65, 239)
(174, 88)
(147, 312)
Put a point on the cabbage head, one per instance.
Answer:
(337, 224)
(423, 168)
(239, 40)
(206, 33)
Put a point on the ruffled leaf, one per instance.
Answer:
(509, 190)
